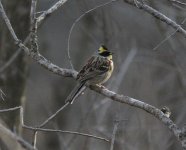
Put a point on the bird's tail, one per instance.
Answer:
(78, 89)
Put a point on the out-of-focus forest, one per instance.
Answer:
(150, 65)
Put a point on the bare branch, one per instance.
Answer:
(36, 56)
(157, 15)
(179, 7)
(54, 115)
(33, 42)
(69, 132)
(14, 56)
(15, 137)
(76, 21)
(33, 27)
(34, 142)
(168, 37)
(11, 109)
(2, 11)
(177, 2)
(116, 123)
(2, 94)
(46, 121)
(33, 12)
(39, 21)
(143, 106)
(10, 61)
(49, 130)
(50, 10)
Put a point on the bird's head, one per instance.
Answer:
(104, 52)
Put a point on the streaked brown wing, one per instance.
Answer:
(95, 66)
(85, 68)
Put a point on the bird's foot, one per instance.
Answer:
(101, 86)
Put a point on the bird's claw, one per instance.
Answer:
(101, 86)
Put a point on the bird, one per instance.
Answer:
(97, 70)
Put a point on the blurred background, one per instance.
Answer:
(157, 77)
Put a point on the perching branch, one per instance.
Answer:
(143, 106)
(157, 15)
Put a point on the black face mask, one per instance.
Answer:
(105, 53)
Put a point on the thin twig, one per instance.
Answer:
(36, 56)
(50, 10)
(33, 12)
(168, 37)
(75, 22)
(157, 15)
(2, 11)
(33, 42)
(10, 61)
(53, 115)
(116, 123)
(178, 2)
(37, 129)
(12, 135)
(14, 56)
(33, 27)
(34, 142)
(46, 121)
(69, 132)
(10, 109)
(178, 6)
(43, 16)
(2, 95)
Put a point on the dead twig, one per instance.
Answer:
(15, 137)
(48, 12)
(116, 123)
(53, 115)
(37, 129)
(168, 37)
(158, 15)
(2, 94)
(178, 2)
(33, 27)
(41, 18)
